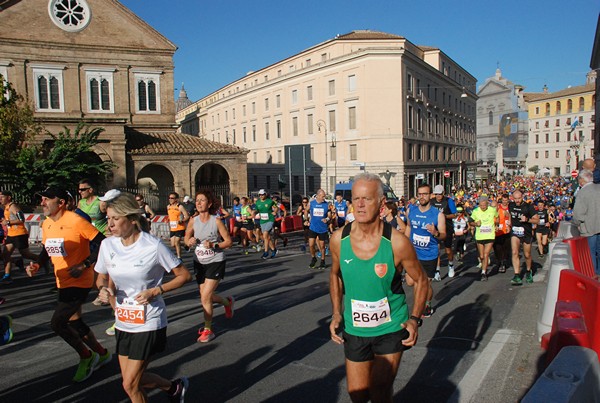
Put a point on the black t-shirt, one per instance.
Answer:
(516, 212)
(445, 209)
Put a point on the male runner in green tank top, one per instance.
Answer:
(368, 259)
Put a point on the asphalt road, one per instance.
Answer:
(479, 346)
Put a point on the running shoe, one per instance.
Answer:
(179, 395)
(6, 280)
(479, 264)
(437, 276)
(327, 251)
(111, 330)
(274, 253)
(6, 333)
(428, 311)
(450, 271)
(265, 255)
(285, 242)
(529, 277)
(86, 367)
(502, 269)
(323, 266)
(516, 280)
(206, 335)
(483, 276)
(319, 254)
(313, 263)
(103, 360)
(229, 309)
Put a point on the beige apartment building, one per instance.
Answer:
(561, 128)
(361, 101)
(97, 62)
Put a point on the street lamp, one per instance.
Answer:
(321, 125)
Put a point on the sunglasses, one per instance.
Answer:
(83, 189)
(138, 199)
(172, 197)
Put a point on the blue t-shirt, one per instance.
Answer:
(426, 245)
(237, 211)
(342, 209)
(318, 211)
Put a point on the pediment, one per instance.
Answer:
(111, 25)
(492, 87)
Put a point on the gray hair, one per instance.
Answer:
(369, 177)
(586, 175)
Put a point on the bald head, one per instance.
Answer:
(589, 164)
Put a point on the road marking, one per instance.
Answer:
(471, 381)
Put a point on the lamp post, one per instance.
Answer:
(321, 125)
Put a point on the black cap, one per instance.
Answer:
(54, 192)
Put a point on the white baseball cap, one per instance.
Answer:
(438, 190)
(186, 199)
(111, 194)
(262, 192)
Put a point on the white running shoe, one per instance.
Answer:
(437, 276)
(450, 271)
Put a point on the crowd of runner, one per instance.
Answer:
(105, 243)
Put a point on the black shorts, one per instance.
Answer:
(429, 266)
(19, 241)
(248, 225)
(527, 238)
(179, 234)
(237, 224)
(361, 349)
(448, 240)
(484, 241)
(211, 271)
(73, 295)
(543, 231)
(141, 346)
(341, 221)
(323, 236)
(277, 224)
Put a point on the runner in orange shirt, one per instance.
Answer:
(66, 240)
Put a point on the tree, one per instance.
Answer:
(534, 169)
(17, 126)
(63, 160)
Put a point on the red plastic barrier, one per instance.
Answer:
(582, 257)
(231, 222)
(297, 223)
(578, 287)
(287, 224)
(568, 329)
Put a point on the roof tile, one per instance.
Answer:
(171, 142)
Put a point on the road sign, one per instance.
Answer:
(574, 173)
(446, 174)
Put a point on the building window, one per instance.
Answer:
(410, 117)
(255, 160)
(295, 126)
(279, 157)
(547, 138)
(547, 108)
(243, 110)
(294, 97)
(547, 154)
(419, 152)
(233, 113)
(419, 120)
(409, 83)
(557, 154)
(569, 106)
(48, 90)
(308, 62)
(568, 136)
(244, 134)
(331, 87)
(353, 152)
(537, 139)
(254, 133)
(254, 108)
(558, 107)
(490, 118)
(266, 104)
(557, 137)
(332, 153)
(352, 83)
(581, 104)
(266, 130)
(100, 93)
(278, 124)
(557, 123)
(268, 160)
(148, 93)
(278, 101)
(323, 57)
(310, 123)
(309, 93)
(352, 118)
(537, 110)
(70, 15)
(537, 125)
(332, 126)
(537, 155)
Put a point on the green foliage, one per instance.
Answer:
(534, 169)
(63, 160)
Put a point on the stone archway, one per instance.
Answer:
(215, 177)
(155, 182)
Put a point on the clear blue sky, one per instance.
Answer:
(535, 42)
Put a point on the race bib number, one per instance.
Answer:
(542, 221)
(55, 247)
(341, 214)
(370, 314)
(518, 231)
(485, 229)
(204, 254)
(264, 216)
(421, 240)
(459, 232)
(131, 312)
(173, 224)
(319, 212)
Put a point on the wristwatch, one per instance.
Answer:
(418, 320)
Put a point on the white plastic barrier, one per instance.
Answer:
(160, 229)
(573, 376)
(559, 259)
(566, 229)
